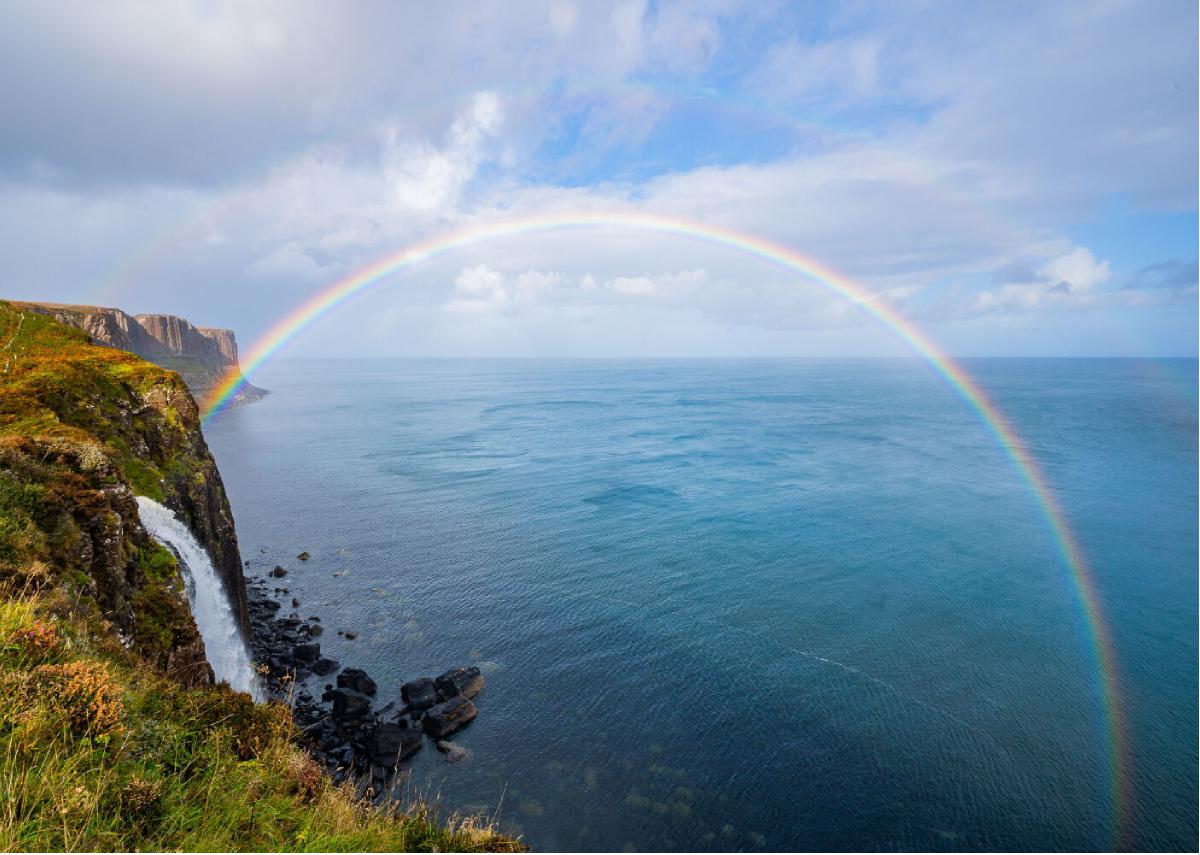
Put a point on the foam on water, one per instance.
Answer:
(223, 642)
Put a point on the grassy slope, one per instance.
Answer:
(98, 748)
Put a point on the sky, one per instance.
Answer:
(1017, 179)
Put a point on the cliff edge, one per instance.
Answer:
(203, 356)
(112, 734)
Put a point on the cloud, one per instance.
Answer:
(832, 72)
(1173, 274)
(424, 178)
(1076, 272)
(203, 156)
(1066, 280)
(178, 91)
(1077, 280)
(288, 261)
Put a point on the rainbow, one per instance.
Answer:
(1112, 712)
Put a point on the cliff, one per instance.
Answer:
(201, 355)
(80, 430)
(112, 736)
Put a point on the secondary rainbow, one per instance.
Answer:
(1100, 641)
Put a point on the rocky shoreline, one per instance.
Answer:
(341, 727)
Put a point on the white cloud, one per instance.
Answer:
(1078, 271)
(1068, 280)
(479, 282)
(288, 261)
(835, 71)
(428, 179)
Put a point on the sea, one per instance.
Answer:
(754, 604)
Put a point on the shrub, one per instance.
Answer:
(39, 641)
(140, 799)
(305, 774)
(86, 693)
(253, 727)
(33, 575)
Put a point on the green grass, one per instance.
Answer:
(192, 770)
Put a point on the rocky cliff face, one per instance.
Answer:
(202, 355)
(83, 429)
(179, 338)
(225, 342)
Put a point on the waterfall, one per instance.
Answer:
(206, 594)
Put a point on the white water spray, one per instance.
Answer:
(206, 594)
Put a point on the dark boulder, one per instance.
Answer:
(303, 556)
(342, 754)
(419, 694)
(278, 572)
(324, 667)
(356, 679)
(393, 743)
(348, 635)
(308, 653)
(349, 705)
(315, 630)
(448, 716)
(467, 682)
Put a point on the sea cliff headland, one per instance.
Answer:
(114, 735)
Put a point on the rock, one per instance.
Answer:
(349, 636)
(356, 679)
(308, 653)
(392, 743)
(278, 572)
(314, 617)
(419, 694)
(315, 630)
(467, 682)
(454, 752)
(448, 716)
(303, 556)
(349, 705)
(295, 603)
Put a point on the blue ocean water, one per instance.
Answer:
(751, 604)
